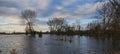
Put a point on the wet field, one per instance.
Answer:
(53, 44)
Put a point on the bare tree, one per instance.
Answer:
(28, 15)
(110, 14)
(116, 14)
(115, 3)
(57, 24)
(105, 12)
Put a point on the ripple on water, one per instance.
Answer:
(52, 44)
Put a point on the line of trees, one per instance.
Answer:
(110, 23)
(60, 26)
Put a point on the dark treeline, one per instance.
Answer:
(108, 12)
(61, 26)
(109, 25)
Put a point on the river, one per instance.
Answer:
(54, 44)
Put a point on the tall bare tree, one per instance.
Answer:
(110, 12)
(28, 15)
(105, 12)
(116, 14)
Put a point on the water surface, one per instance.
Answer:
(54, 44)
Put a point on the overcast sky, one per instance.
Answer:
(82, 11)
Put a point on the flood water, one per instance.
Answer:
(53, 44)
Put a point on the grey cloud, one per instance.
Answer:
(9, 8)
(8, 4)
(39, 22)
(14, 7)
(5, 11)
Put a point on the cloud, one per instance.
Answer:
(59, 7)
(18, 24)
(10, 11)
(6, 12)
(43, 4)
(12, 28)
(15, 6)
(87, 10)
(68, 2)
(72, 10)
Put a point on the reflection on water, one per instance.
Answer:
(52, 44)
